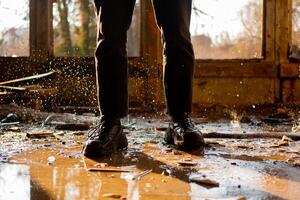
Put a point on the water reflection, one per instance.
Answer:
(14, 182)
(64, 183)
(69, 179)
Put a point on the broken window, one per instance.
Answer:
(295, 47)
(75, 29)
(228, 29)
(14, 28)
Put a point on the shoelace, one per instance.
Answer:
(94, 132)
(187, 122)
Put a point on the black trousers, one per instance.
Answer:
(173, 19)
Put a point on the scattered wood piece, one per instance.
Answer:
(47, 119)
(295, 137)
(188, 159)
(10, 123)
(161, 128)
(5, 93)
(40, 134)
(204, 181)
(141, 175)
(242, 146)
(274, 146)
(10, 88)
(32, 115)
(283, 144)
(112, 195)
(187, 163)
(60, 133)
(14, 129)
(78, 133)
(278, 119)
(213, 143)
(73, 127)
(235, 198)
(28, 78)
(287, 139)
(108, 169)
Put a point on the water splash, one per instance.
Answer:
(295, 120)
(235, 119)
(296, 125)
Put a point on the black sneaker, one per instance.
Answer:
(183, 134)
(105, 139)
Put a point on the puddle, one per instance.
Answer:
(14, 181)
(242, 168)
(68, 178)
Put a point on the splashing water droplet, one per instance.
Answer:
(235, 121)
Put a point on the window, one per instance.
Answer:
(14, 28)
(295, 47)
(228, 29)
(74, 25)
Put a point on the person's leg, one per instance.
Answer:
(173, 18)
(112, 76)
(111, 56)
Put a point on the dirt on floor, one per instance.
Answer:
(43, 160)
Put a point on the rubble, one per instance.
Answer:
(245, 161)
(287, 139)
(204, 181)
(141, 175)
(108, 169)
(187, 163)
(40, 134)
(112, 195)
(73, 127)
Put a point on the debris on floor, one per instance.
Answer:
(204, 181)
(40, 134)
(45, 161)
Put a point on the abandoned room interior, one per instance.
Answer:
(246, 97)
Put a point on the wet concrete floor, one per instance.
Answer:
(53, 167)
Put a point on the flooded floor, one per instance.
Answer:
(53, 167)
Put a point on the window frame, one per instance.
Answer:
(7, 59)
(275, 63)
(252, 67)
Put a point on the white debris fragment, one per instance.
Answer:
(286, 138)
(51, 160)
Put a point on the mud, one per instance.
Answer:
(242, 169)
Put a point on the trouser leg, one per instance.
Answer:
(173, 18)
(114, 19)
